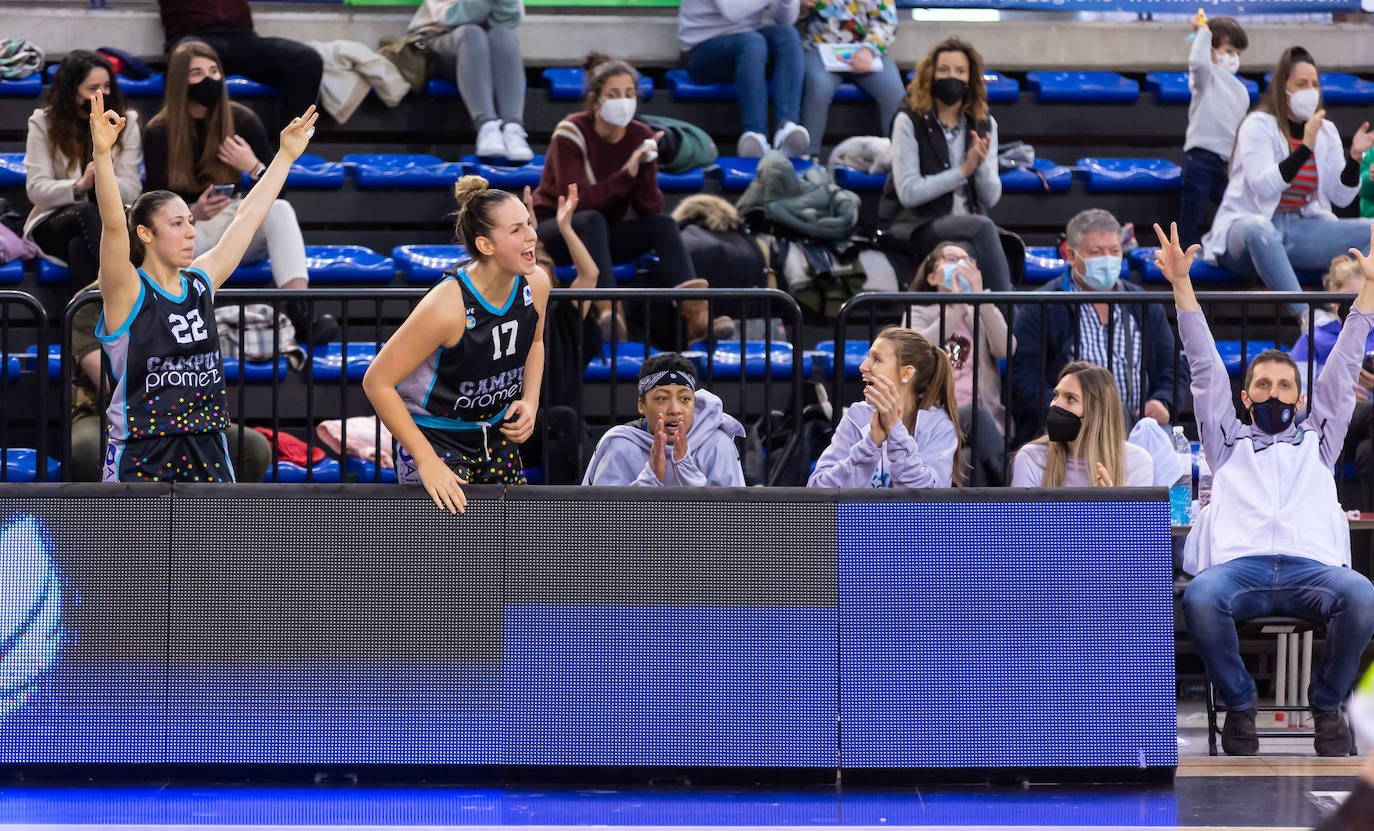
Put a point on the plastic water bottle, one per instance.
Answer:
(1204, 479)
(1181, 491)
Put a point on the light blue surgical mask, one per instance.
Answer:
(1101, 273)
(951, 274)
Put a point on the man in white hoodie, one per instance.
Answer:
(1274, 540)
(730, 41)
(683, 439)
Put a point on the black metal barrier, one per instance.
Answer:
(265, 393)
(23, 437)
(1256, 320)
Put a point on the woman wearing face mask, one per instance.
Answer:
(1085, 438)
(944, 161)
(612, 159)
(59, 173)
(904, 434)
(951, 270)
(1289, 167)
(199, 141)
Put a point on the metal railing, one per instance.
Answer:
(25, 382)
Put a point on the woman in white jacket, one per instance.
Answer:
(951, 269)
(59, 176)
(1289, 167)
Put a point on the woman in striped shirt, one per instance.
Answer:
(1289, 167)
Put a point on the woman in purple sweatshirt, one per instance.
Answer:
(905, 433)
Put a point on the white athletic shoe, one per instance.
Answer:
(751, 145)
(490, 143)
(792, 140)
(517, 148)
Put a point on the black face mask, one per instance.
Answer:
(949, 90)
(1272, 415)
(85, 108)
(1061, 425)
(206, 92)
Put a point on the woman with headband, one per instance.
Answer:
(684, 437)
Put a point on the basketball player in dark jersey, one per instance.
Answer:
(458, 384)
(169, 409)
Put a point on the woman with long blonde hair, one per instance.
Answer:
(905, 433)
(1085, 440)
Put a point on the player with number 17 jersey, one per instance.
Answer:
(169, 407)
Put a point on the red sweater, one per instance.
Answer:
(186, 17)
(602, 184)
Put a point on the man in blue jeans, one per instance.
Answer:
(729, 41)
(1274, 540)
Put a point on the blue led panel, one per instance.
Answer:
(1006, 634)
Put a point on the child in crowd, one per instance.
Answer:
(1085, 438)
(905, 433)
(1220, 101)
(684, 437)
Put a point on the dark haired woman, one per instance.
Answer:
(168, 411)
(611, 158)
(944, 162)
(469, 358)
(1289, 167)
(199, 141)
(59, 173)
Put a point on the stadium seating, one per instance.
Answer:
(737, 172)
(624, 359)
(21, 465)
(401, 170)
(1082, 88)
(725, 360)
(312, 172)
(329, 362)
(1172, 87)
(11, 170)
(427, 263)
(12, 272)
(511, 177)
(566, 83)
(1103, 175)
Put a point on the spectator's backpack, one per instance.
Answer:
(722, 249)
(19, 59)
(684, 146)
(250, 328)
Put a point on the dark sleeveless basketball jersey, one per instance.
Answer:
(168, 375)
(473, 383)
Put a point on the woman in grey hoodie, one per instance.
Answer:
(684, 437)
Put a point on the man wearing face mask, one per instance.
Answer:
(1274, 540)
(1288, 169)
(1132, 340)
(1219, 102)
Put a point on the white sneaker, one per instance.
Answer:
(517, 149)
(751, 145)
(490, 144)
(792, 140)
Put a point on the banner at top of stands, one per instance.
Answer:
(1189, 7)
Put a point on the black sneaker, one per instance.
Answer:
(1333, 734)
(1238, 736)
(324, 329)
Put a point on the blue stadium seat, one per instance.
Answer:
(857, 180)
(1172, 87)
(21, 464)
(1201, 272)
(685, 89)
(11, 170)
(1044, 264)
(566, 84)
(50, 272)
(692, 181)
(10, 368)
(151, 87)
(1107, 175)
(254, 373)
(1235, 357)
(241, 87)
(328, 362)
(426, 263)
(326, 471)
(621, 272)
(625, 357)
(30, 87)
(737, 172)
(256, 273)
(54, 359)
(402, 170)
(1340, 88)
(1082, 88)
(312, 172)
(12, 272)
(1058, 178)
(725, 359)
(854, 354)
(508, 176)
(348, 264)
(1001, 89)
(441, 88)
(367, 472)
